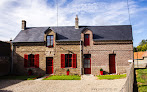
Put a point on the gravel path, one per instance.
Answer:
(61, 85)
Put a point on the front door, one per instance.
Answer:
(87, 66)
(49, 65)
(112, 63)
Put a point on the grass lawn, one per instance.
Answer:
(141, 76)
(63, 77)
(11, 77)
(111, 77)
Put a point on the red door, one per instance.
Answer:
(112, 63)
(87, 66)
(49, 65)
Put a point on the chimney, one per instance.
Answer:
(23, 25)
(76, 22)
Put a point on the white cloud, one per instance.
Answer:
(40, 13)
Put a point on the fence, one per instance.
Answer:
(128, 86)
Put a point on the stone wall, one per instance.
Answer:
(128, 85)
(99, 51)
(5, 52)
(43, 51)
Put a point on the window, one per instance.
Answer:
(31, 60)
(86, 40)
(68, 60)
(50, 41)
(87, 60)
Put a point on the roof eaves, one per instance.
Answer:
(67, 40)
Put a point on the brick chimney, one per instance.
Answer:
(76, 22)
(23, 25)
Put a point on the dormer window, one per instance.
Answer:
(86, 39)
(50, 41)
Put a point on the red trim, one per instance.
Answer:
(74, 60)
(62, 61)
(36, 60)
(86, 40)
(25, 60)
(112, 63)
(49, 65)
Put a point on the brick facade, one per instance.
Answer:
(99, 55)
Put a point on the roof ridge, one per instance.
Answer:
(81, 26)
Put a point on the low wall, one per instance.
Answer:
(128, 86)
(4, 65)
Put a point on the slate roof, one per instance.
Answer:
(69, 33)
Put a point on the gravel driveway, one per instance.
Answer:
(61, 85)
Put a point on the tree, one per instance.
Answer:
(143, 42)
(144, 47)
(134, 49)
(141, 47)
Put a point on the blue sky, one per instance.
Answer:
(91, 12)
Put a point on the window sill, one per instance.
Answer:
(68, 67)
(50, 47)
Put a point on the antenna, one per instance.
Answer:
(57, 12)
(129, 12)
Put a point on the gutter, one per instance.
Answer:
(12, 59)
(80, 59)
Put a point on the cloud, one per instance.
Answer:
(44, 13)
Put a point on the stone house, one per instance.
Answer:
(81, 49)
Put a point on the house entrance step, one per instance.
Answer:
(88, 77)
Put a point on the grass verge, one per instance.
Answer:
(141, 76)
(12, 77)
(111, 77)
(63, 77)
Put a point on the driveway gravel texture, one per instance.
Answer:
(84, 85)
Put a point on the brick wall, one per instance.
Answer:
(100, 51)
(99, 55)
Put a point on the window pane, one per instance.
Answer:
(87, 56)
(30, 60)
(50, 40)
(85, 65)
(48, 37)
(51, 43)
(48, 43)
(52, 37)
(70, 63)
(68, 60)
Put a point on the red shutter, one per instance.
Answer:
(74, 60)
(25, 60)
(36, 60)
(62, 61)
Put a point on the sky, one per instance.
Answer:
(43, 13)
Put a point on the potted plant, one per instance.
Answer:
(67, 72)
(101, 71)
